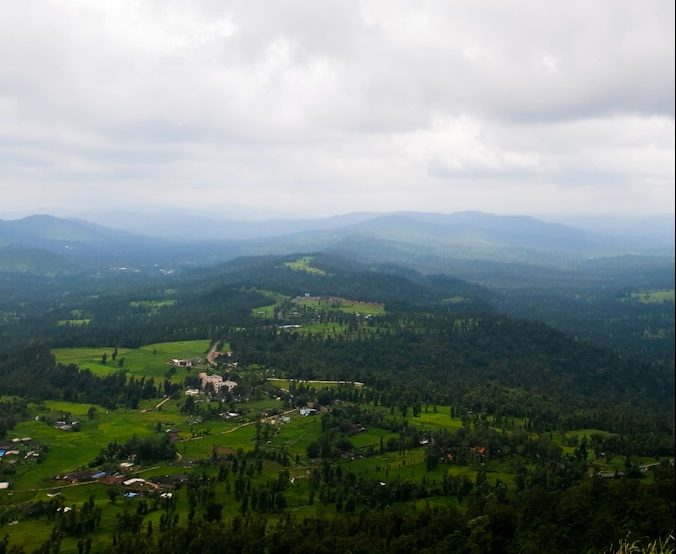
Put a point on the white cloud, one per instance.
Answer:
(295, 106)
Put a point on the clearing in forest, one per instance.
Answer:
(151, 360)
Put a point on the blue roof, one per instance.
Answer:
(99, 474)
(2, 453)
(130, 494)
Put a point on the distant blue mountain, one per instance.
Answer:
(401, 237)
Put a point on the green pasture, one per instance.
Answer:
(286, 383)
(410, 466)
(435, 421)
(69, 450)
(229, 435)
(296, 435)
(587, 433)
(454, 300)
(264, 312)
(153, 306)
(341, 305)
(304, 264)
(268, 310)
(652, 297)
(73, 322)
(371, 437)
(151, 360)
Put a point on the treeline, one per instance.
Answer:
(446, 350)
(32, 373)
(590, 516)
(142, 450)
(12, 411)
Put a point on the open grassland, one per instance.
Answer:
(151, 360)
(305, 264)
(410, 466)
(653, 297)
(284, 384)
(372, 437)
(153, 306)
(264, 312)
(73, 322)
(341, 305)
(454, 300)
(333, 329)
(268, 310)
(327, 330)
(434, 421)
(587, 433)
(296, 435)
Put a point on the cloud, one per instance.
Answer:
(299, 106)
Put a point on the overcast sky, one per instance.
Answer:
(308, 108)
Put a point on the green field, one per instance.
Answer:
(435, 421)
(410, 465)
(153, 306)
(342, 305)
(304, 264)
(73, 322)
(652, 297)
(285, 383)
(268, 310)
(149, 361)
(69, 450)
(587, 433)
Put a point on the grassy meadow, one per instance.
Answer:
(148, 361)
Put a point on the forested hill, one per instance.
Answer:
(329, 275)
(436, 331)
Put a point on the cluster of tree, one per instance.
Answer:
(438, 359)
(32, 372)
(591, 515)
(146, 450)
(12, 411)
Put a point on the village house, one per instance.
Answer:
(181, 363)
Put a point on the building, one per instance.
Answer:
(217, 382)
(307, 411)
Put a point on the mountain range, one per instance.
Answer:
(426, 240)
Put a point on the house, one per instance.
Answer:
(192, 392)
(307, 411)
(4, 485)
(216, 381)
(133, 481)
(181, 363)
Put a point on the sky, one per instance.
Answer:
(246, 110)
